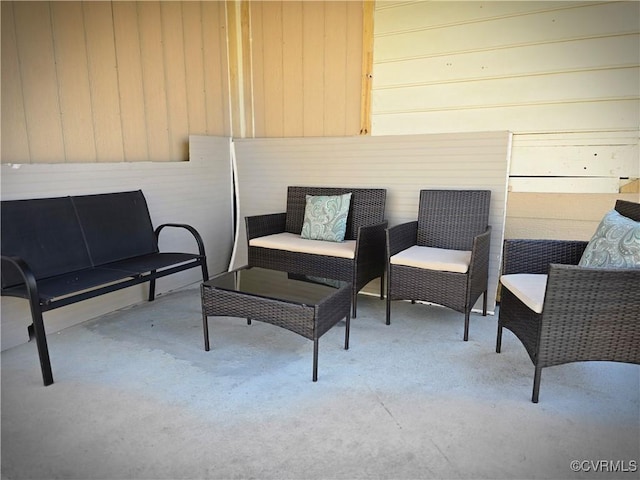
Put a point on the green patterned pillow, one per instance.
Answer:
(616, 243)
(325, 217)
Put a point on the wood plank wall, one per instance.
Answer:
(101, 81)
(111, 81)
(564, 77)
(306, 68)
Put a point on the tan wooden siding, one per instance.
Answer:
(111, 81)
(306, 68)
(401, 164)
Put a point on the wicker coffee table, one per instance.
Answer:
(303, 305)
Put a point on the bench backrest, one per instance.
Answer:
(60, 235)
(366, 207)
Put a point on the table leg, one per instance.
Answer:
(346, 332)
(315, 360)
(205, 328)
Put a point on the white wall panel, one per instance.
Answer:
(197, 192)
(402, 164)
(565, 71)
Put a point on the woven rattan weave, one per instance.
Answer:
(588, 313)
(307, 308)
(451, 219)
(365, 224)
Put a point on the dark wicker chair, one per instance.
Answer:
(365, 224)
(587, 313)
(447, 219)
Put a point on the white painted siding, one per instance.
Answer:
(564, 77)
(402, 164)
(197, 192)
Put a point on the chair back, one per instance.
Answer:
(452, 218)
(628, 209)
(367, 207)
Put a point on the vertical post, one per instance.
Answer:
(368, 7)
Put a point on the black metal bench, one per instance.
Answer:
(59, 251)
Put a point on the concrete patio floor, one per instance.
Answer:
(137, 397)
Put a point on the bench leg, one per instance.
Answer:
(466, 326)
(152, 287)
(41, 342)
(205, 271)
(388, 322)
(354, 301)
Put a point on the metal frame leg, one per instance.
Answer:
(346, 332)
(466, 326)
(315, 359)
(41, 343)
(536, 384)
(152, 287)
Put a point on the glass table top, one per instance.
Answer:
(276, 285)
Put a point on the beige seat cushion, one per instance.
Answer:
(433, 259)
(295, 243)
(528, 287)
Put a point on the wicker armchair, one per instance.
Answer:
(365, 226)
(453, 272)
(583, 314)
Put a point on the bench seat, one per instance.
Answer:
(295, 243)
(59, 251)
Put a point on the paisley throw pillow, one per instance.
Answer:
(616, 243)
(325, 217)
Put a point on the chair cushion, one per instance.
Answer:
(325, 217)
(616, 243)
(528, 287)
(433, 259)
(295, 243)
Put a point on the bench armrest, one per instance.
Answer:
(370, 242)
(263, 225)
(479, 264)
(18, 265)
(191, 230)
(400, 237)
(535, 256)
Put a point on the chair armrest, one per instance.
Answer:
(262, 225)
(400, 237)
(191, 230)
(535, 256)
(603, 295)
(370, 241)
(479, 264)
(17, 264)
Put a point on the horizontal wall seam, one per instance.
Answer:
(507, 105)
(505, 77)
(493, 48)
(486, 19)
